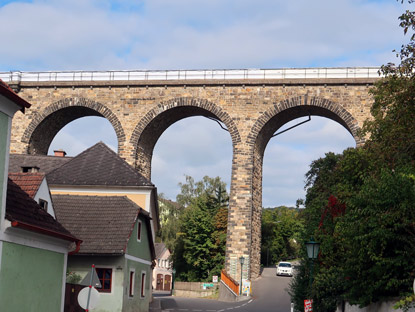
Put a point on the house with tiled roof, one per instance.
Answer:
(36, 163)
(36, 186)
(96, 171)
(163, 271)
(33, 245)
(108, 204)
(117, 239)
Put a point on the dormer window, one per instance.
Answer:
(44, 204)
(30, 169)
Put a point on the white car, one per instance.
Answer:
(284, 268)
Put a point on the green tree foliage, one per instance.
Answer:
(367, 232)
(169, 212)
(199, 249)
(281, 230)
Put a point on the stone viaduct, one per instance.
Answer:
(141, 105)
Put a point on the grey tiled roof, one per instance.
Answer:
(98, 165)
(45, 163)
(104, 223)
(159, 247)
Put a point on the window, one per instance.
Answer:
(44, 204)
(143, 284)
(105, 277)
(131, 291)
(139, 231)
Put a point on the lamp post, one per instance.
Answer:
(241, 260)
(172, 282)
(312, 253)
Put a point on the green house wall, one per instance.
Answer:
(141, 250)
(4, 131)
(30, 279)
(108, 302)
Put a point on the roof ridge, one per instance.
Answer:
(96, 157)
(125, 164)
(72, 159)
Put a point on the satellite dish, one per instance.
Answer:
(93, 299)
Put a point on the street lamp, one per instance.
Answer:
(241, 260)
(312, 253)
(172, 283)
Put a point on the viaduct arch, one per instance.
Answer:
(140, 109)
(42, 129)
(158, 119)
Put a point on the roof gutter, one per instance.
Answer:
(77, 248)
(34, 228)
(6, 91)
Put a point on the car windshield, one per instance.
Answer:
(285, 265)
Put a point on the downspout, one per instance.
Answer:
(78, 246)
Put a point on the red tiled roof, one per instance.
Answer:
(28, 182)
(23, 211)
(6, 91)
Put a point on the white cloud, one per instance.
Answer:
(82, 133)
(188, 34)
(90, 34)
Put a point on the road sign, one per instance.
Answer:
(308, 305)
(95, 280)
(93, 298)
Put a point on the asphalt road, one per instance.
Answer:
(269, 295)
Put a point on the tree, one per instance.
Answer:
(280, 232)
(169, 212)
(200, 248)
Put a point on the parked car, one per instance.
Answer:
(284, 268)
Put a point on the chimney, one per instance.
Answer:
(59, 153)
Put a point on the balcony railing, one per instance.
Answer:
(217, 74)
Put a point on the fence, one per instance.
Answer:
(230, 282)
(215, 74)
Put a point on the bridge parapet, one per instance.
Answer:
(18, 77)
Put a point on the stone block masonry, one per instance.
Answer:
(140, 111)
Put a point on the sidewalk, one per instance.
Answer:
(155, 306)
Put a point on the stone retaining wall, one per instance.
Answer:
(195, 289)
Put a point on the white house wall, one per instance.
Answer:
(43, 193)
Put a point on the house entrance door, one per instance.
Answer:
(159, 282)
(167, 282)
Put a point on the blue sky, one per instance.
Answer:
(43, 35)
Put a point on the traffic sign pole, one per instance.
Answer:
(90, 287)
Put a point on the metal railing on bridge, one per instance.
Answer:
(217, 74)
